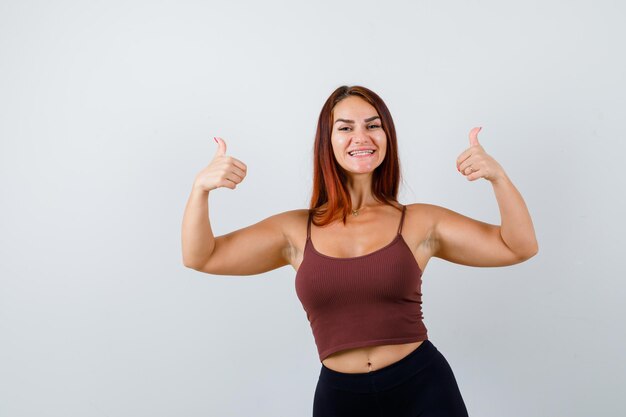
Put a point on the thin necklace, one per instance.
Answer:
(356, 212)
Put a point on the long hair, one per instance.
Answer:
(329, 180)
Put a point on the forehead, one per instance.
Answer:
(353, 107)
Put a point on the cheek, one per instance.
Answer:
(338, 143)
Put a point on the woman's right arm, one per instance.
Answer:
(255, 249)
(197, 237)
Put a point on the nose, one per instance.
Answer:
(360, 136)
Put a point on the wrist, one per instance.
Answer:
(501, 177)
(197, 189)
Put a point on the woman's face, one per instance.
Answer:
(357, 125)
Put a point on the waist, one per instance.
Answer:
(369, 358)
(386, 376)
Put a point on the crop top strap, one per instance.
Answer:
(401, 219)
(308, 225)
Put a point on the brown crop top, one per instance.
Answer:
(368, 300)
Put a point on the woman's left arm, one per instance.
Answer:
(463, 240)
(517, 229)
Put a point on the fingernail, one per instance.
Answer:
(215, 139)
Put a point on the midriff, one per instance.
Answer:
(368, 358)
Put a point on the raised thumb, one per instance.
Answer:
(473, 136)
(221, 146)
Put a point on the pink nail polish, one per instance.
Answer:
(215, 139)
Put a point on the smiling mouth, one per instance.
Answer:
(362, 154)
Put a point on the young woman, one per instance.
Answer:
(359, 256)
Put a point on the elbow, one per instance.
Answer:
(529, 253)
(188, 265)
(200, 266)
(191, 265)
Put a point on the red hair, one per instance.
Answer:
(329, 180)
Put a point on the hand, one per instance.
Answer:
(223, 171)
(475, 163)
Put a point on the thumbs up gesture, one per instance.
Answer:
(222, 171)
(475, 163)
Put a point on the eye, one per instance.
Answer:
(346, 127)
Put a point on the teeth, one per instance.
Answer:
(361, 152)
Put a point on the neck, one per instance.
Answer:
(360, 190)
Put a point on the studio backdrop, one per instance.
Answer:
(108, 111)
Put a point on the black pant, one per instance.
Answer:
(420, 384)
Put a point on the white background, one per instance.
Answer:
(108, 111)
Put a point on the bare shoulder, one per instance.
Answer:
(430, 216)
(423, 214)
(431, 212)
(435, 220)
(293, 223)
(422, 207)
(292, 219)
(293, 226)
(418, 230)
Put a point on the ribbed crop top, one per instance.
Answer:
(367, 300)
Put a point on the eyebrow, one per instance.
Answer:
(369, 119)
